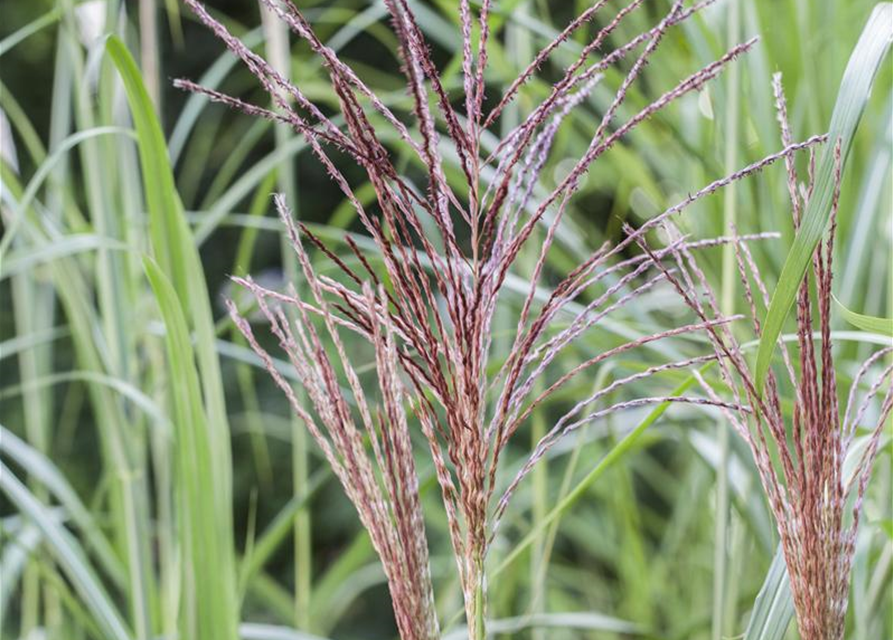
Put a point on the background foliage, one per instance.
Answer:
(675, 542)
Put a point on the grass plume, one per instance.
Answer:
(426, 297)
(800, 453)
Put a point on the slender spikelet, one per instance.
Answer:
(426, 299)
(384, 487)
(799, 453)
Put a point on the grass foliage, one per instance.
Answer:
(154, 481)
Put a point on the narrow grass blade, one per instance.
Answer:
(18, 545)
(29, 29)
(175, 22)
(327, 591)
(587, 621)
(883, 326)
(68, 554)
(774, 606)
(18, 119)
(208, 565)
(13, 346)
(855, 89)
(273, 536)
(44, 471)
(249, 631)
(96, 380)
(160, 191)
(43, 173)
(26, 259)
(176, 254)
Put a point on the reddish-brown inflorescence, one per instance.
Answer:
(427, 304)
(799, 453)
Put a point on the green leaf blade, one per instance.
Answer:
(209, 578)
(855, 89)
(774, 606)
(883, 326)
(69, 555)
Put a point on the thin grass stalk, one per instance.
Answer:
(279, 52)
(73, 293)
(125, 451)
(732, 125)
(25, 295)
(149, 62)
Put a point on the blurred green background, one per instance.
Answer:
(82, 362)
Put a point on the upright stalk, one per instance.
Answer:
(123, 448)
(149, 63)
(276, 35)
(729, 275)
(480, 632)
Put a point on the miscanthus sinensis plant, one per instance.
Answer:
(800, 452)
(426, 296)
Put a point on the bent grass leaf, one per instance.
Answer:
(21, 544)
(27, 259)
(202, 426)
(173, 245)
(69, 555)
(855, 89)
(254, 631)
(884, 326)
(208, 565)
(45, 20)
(588, 621)
(43, 172)
(42, 469)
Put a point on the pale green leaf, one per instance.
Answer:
(855, 89)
